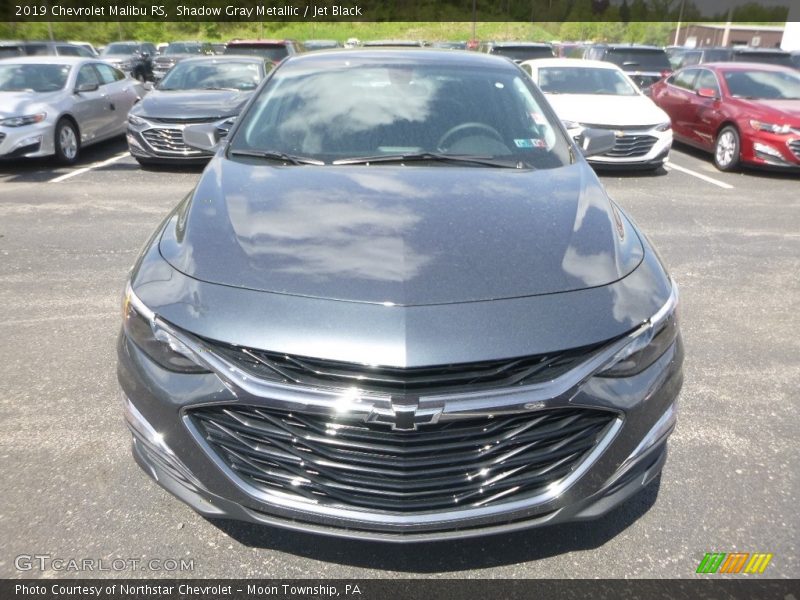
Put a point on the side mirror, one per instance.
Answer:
(86, 87)
(596, 141)
(707, 93)
(203, 136)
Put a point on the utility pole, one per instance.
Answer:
(474, 16)
(680, 18)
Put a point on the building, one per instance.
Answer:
(696, 35)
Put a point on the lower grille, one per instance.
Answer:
(794, 146)
(169, 141)
(336, 460)
(632, 145)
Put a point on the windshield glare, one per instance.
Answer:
(206, 76)
(584, 80)
(33, 78)
(766, 85)
(365, 110)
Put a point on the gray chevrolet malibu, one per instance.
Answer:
(399, 305)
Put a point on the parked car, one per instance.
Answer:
(594, 94)
(209, 89)
(272, 50)
(518, 51)
(218, 48)
(771, 56)
(42, 48)
(87, 46)
(57, 105)
(134, 58)
(399, 305)
(462, 45)
(644, 64)
(696, 56)
(393, 44)
(176, 52)
(795, 59)
(741, 112)
(321, 44)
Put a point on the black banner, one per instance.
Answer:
(407, 589)
(20, 11)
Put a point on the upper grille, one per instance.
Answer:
(183, 120)
(631, 145)
(392, 380)
(794, 146)
(169, 141)
(343, 461)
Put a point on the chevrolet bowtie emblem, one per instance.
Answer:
(406, 413)
(619, 133)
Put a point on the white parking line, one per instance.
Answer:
(83, 170)
(671, 165)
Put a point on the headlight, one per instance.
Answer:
(24, 120)
(648, 343)
(666, 126)
(771, 127)
(143, 328)
(136, 121)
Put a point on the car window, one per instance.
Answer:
(690, 58)
(707, 79)
(584, 80)
(684, 79)
(32, 77)
(36, 50)
(190, 75)
(87, 76)
(767, 85)
(108, 74)
(67, 51)
(639, 59)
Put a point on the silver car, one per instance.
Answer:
(51, 105)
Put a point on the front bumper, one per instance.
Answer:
(162, 142)
(766, 149)
(636, 148)
(628, 457)
(27, 141)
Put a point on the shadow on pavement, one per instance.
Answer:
(455, 555)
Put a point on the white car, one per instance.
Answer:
(56, 105)
(599, 95)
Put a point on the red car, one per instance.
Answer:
(741, 112)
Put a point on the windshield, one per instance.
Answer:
(639, 59)
(367, 110)
(584, 80)
(211, 76)
(183, 48)
(273, 53)
(520, 53)
(32, 78)
(765, 85)
(120, 49)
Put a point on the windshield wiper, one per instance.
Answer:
(486, 161)
(280, 156)
(221, 89)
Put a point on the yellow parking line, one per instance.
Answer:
(83, 170)
(671, 165)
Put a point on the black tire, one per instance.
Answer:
(67, 142)
(727, 149)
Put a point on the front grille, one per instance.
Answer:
(794, 146)
(169, 141)
(628, 146)
(343, 461)
(392, 380)
(184, 120)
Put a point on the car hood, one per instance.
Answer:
(788, 110)
(401, 235)
(191, 104)
(599, 109)
(14, 104)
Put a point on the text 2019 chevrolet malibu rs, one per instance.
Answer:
(399, 305)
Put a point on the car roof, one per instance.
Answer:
(265, 42)
(744, 66)
(399, 55)
(50, 60)
(570, 62)
(521, 44)
(224, 58)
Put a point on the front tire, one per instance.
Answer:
(67, 142)
(727, 149)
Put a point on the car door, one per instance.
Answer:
(89, 103)
(121, 93)
(704, 112)
(675, 97)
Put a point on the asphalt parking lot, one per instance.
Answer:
(72, 490)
